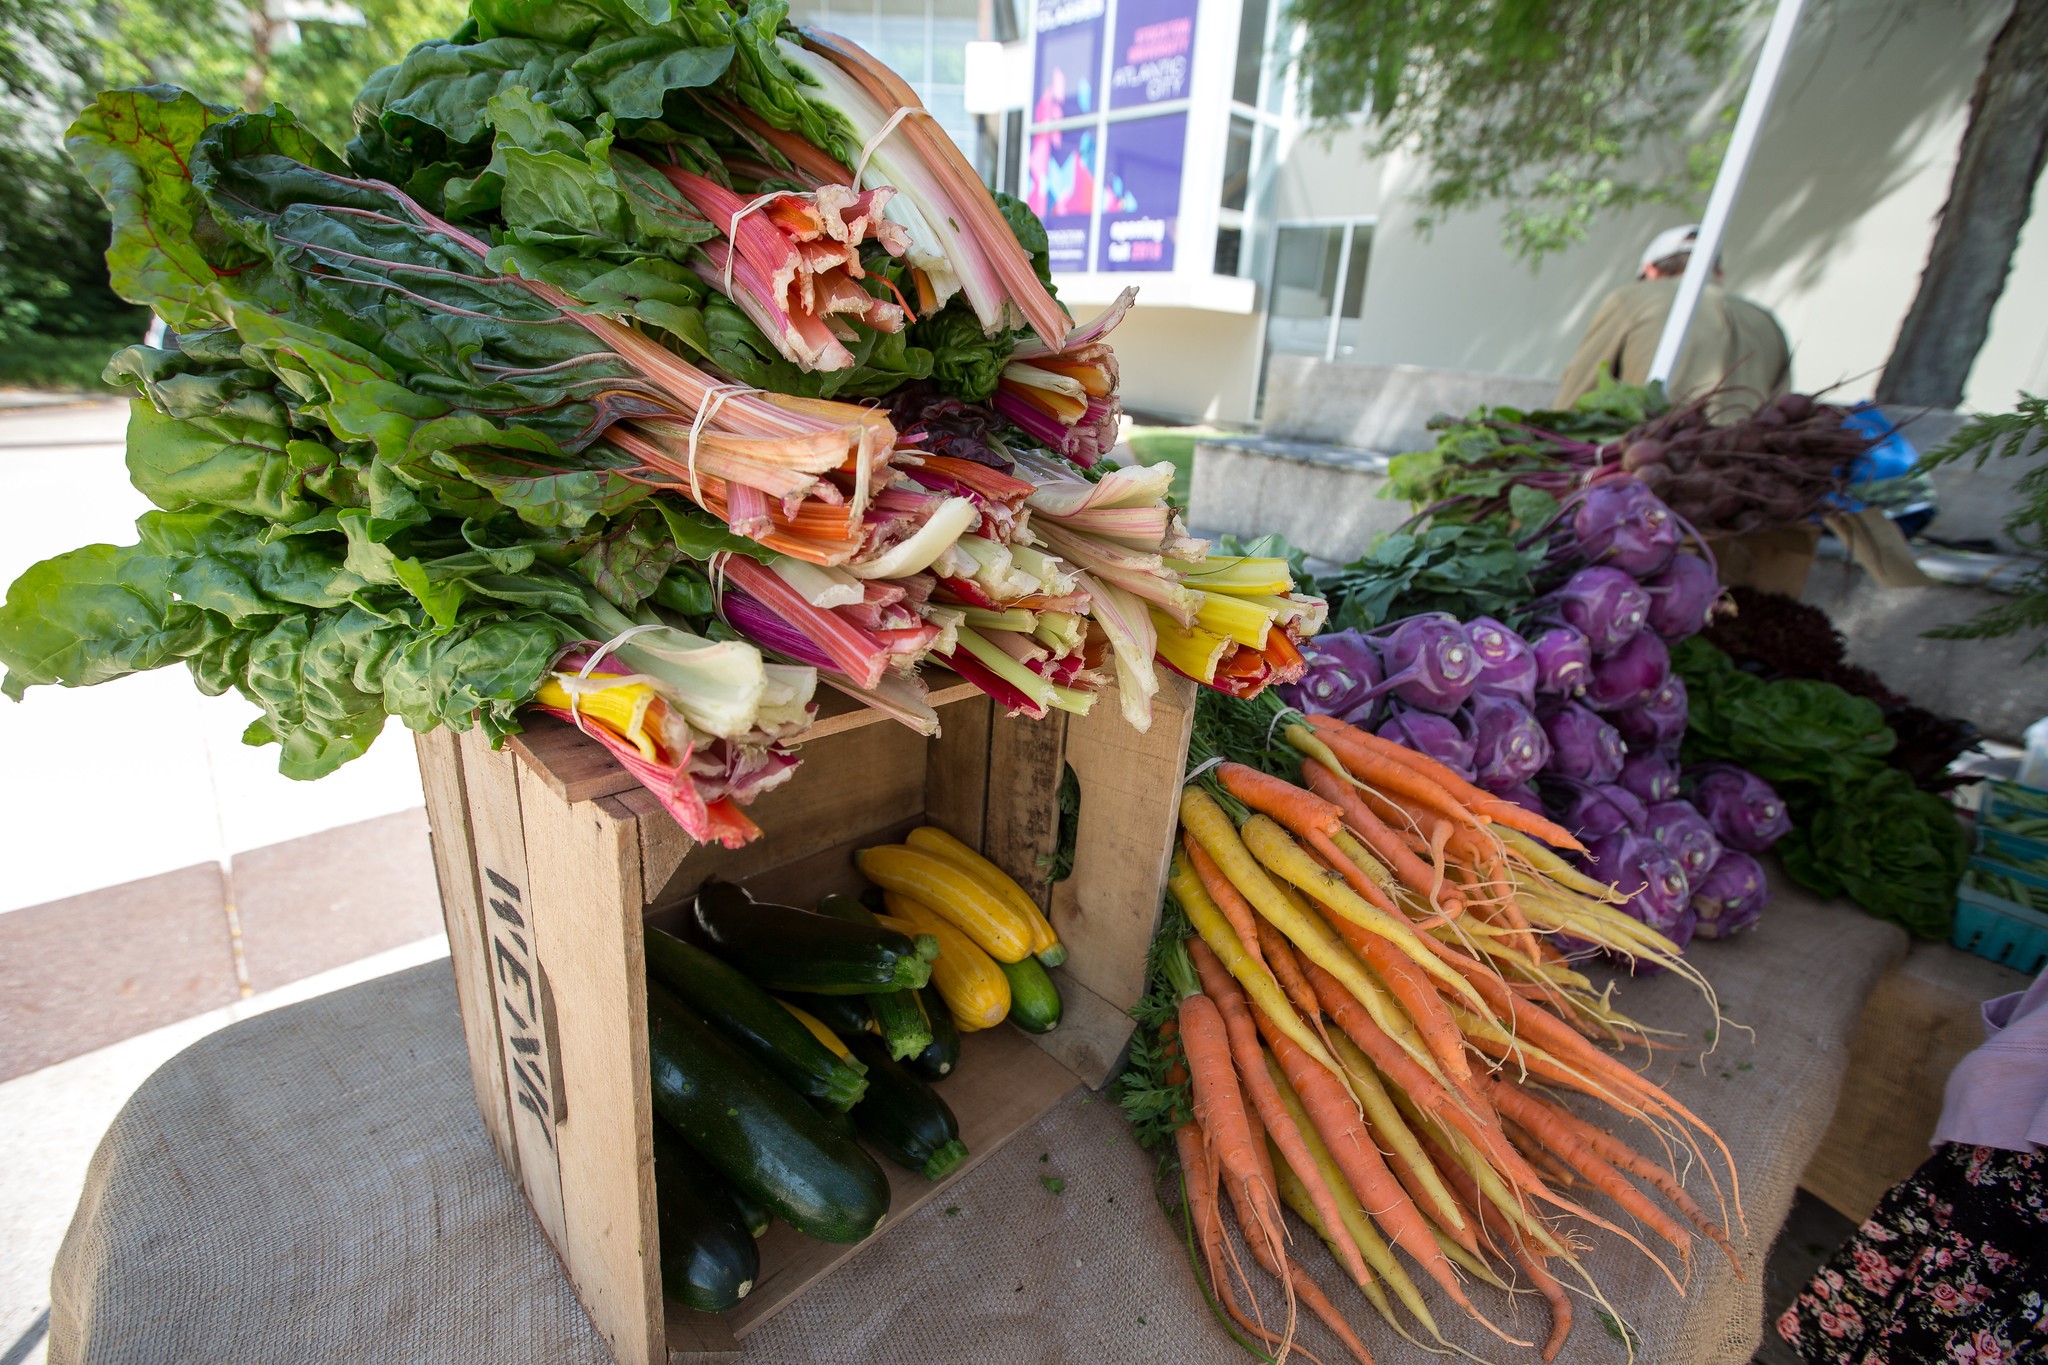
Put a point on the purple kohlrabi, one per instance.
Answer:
(1649, 777)
(1683, 597)
(1593, 812)
(1342, 671)
(1603, 604)
(1731, 895)
(1508, 746)
(1438, 737)
(1649, 726)
(1630, 675)
(1685, 834)
(1582, 745)
(1619, 521)
(1429, 662)
(1506, 667)
(1653, 880)
(1564, 662)
(1741, 806)
(1527, 799)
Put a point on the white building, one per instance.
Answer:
(1251, 235)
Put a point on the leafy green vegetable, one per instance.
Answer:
(1507, 462)
(1467, 570)
(1860, 827)
(1892, 848)
(966, 364)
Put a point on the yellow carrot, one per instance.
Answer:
(1213, 831)
(1252, 974)
(1393, 1133)
(1272, 846)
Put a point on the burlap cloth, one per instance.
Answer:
(314, 1185)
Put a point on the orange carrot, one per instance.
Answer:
(1550, 1127)
(1300, 811)
(1477, 799)
(1251, 1070)
(1304, 1289)
(1227, 897)
(1554, 1035)
(1510, 1241)
(1416, 993)
(1415, 874)
(1199, 1179)
(1287, 970)
(1334, 1113)
(1613, 1149)
(1379, 763)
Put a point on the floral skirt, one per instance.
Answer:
(1952, 1267)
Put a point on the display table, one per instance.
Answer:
(314, 1184)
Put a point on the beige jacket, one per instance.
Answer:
(1734, 344)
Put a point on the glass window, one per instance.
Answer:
(1315, 305)
(950, 37)
(1352, 308)
(1229, 248)
(1251, 52)
(1237, 162)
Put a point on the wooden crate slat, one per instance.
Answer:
(586, 908)
(1092, 1035)
(1107, 911)
(956, 772)
(498, 836)
(469, 953)
(1021, 832)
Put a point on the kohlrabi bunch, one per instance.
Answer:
(1570, 705)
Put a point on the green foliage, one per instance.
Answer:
(1466, 570)
(2018, 435)
(1556, 109)
(1155, 1105)
(1860, 827)
(966, 363)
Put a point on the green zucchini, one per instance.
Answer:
(839, 1121)
(1034, 1000)
(843, 1014)
(902, 1116)
(899, 1013)
(938, 1060)
(755, 1131)
(787, 949)
(708, 1259)
(753, 1213)
(752, 1018)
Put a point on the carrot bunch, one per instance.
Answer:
(1364, 1017)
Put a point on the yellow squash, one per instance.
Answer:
(1045, 944)
(954, 894)
(972, 985)
(818, 1030)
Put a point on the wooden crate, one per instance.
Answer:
(551, 860)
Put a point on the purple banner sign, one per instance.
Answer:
(1061, 173)
(1155, 45)
(1141, 193)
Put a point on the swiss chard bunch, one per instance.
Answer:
(1860, 827)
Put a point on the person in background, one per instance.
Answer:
(1733, 345)
(1953, 1264)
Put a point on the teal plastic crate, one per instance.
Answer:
(2002, 930)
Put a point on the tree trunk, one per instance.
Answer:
(256, 80)
(1988, 203)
